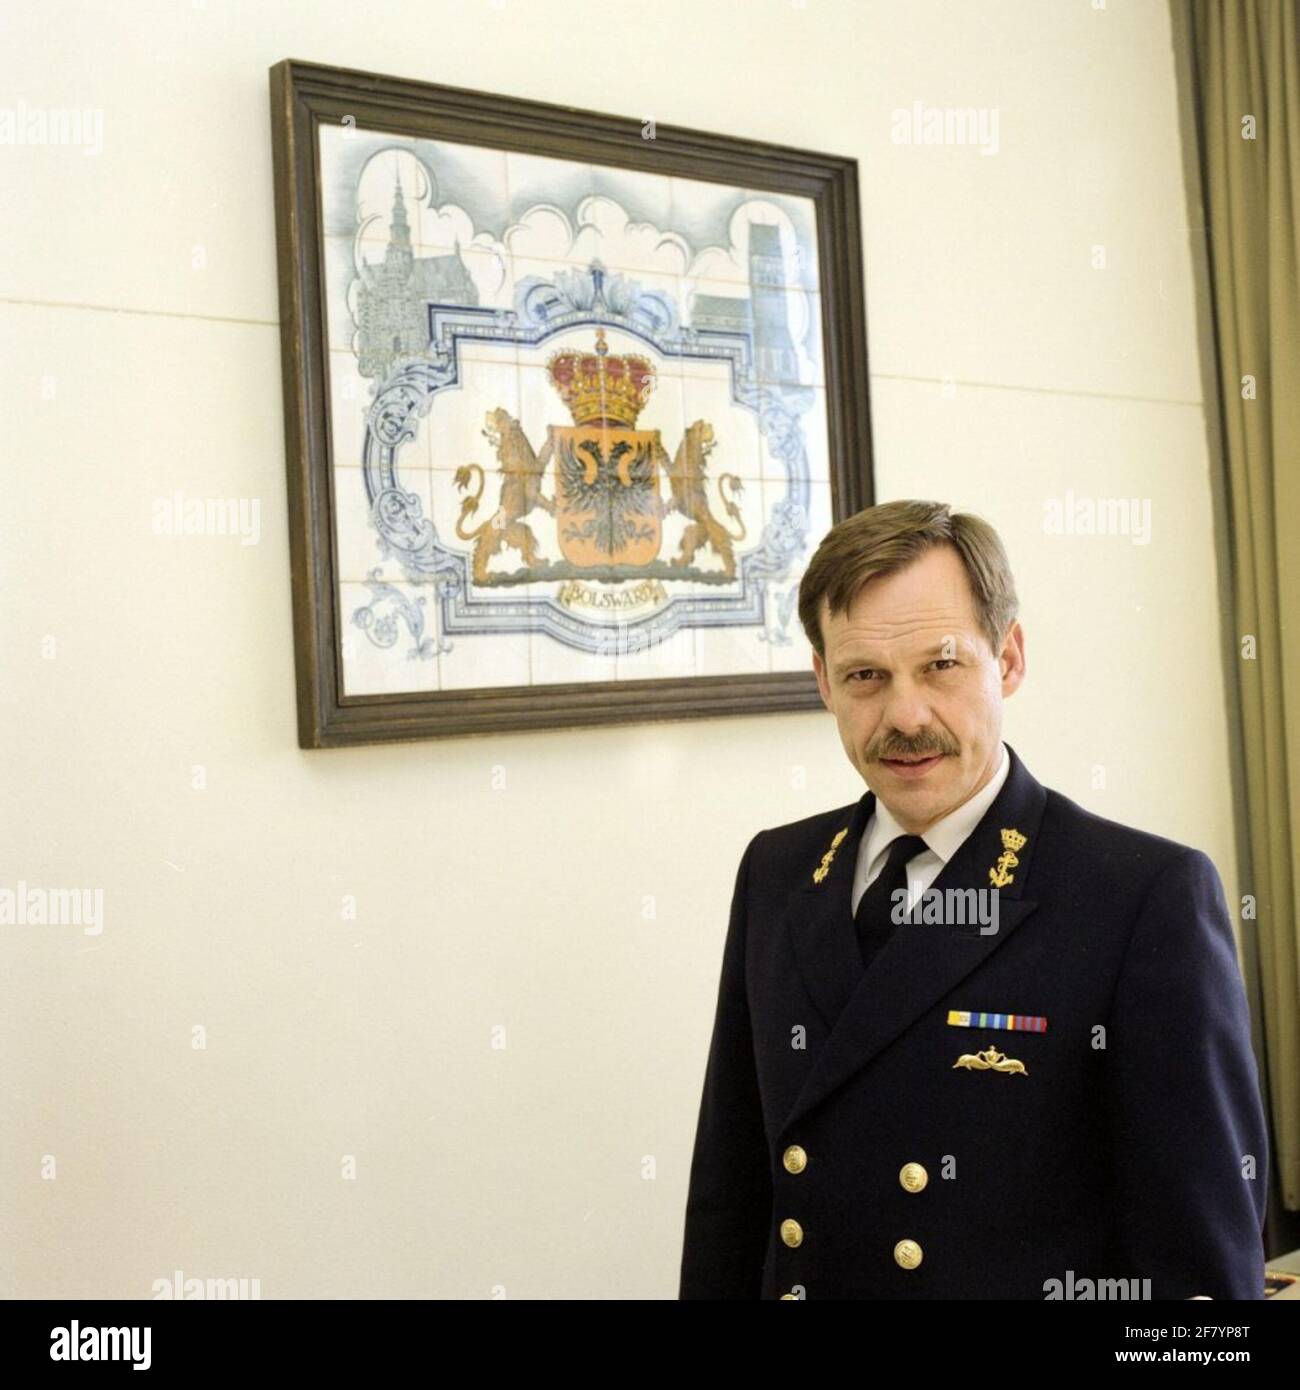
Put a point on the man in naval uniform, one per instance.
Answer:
(1040, 1088)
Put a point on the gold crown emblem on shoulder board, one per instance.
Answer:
(824, 867)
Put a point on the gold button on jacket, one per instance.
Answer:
(913, 1176)
(795, 1159)
(908, 1254)
(791, 1232)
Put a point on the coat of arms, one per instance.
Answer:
(607, 502)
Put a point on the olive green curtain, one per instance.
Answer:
(1239, 66)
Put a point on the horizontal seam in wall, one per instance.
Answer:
(142, 313)
(1033, 390)
(874, 376)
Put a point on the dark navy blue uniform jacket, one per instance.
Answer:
(1131, 1147)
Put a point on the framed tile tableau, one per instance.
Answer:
(570, 400)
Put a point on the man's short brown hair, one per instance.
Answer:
(881, 540)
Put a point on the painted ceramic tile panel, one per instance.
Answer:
(578, 419)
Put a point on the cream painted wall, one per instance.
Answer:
(128, 373)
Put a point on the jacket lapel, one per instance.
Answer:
(819, 920)
(867, 1010)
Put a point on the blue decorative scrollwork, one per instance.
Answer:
(399, 519)
(382, 628)
(778, 636)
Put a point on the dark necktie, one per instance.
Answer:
(874, 919)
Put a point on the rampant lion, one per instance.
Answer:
(686, 473)
(522, 472)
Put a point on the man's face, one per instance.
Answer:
(915, 690)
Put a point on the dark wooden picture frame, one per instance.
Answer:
(306, 98)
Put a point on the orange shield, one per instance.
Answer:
(607, 504)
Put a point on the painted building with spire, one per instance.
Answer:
(391, 315)
(763, 317)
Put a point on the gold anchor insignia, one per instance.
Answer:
(1012, 840)
(821, 872)
(990, 1060)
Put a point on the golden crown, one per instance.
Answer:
(600, 389)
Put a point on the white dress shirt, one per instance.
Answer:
(944, 838)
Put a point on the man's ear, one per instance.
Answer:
(1011, 659)
(819, 670)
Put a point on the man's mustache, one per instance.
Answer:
(918, 750)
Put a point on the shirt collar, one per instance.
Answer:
(945, 836)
